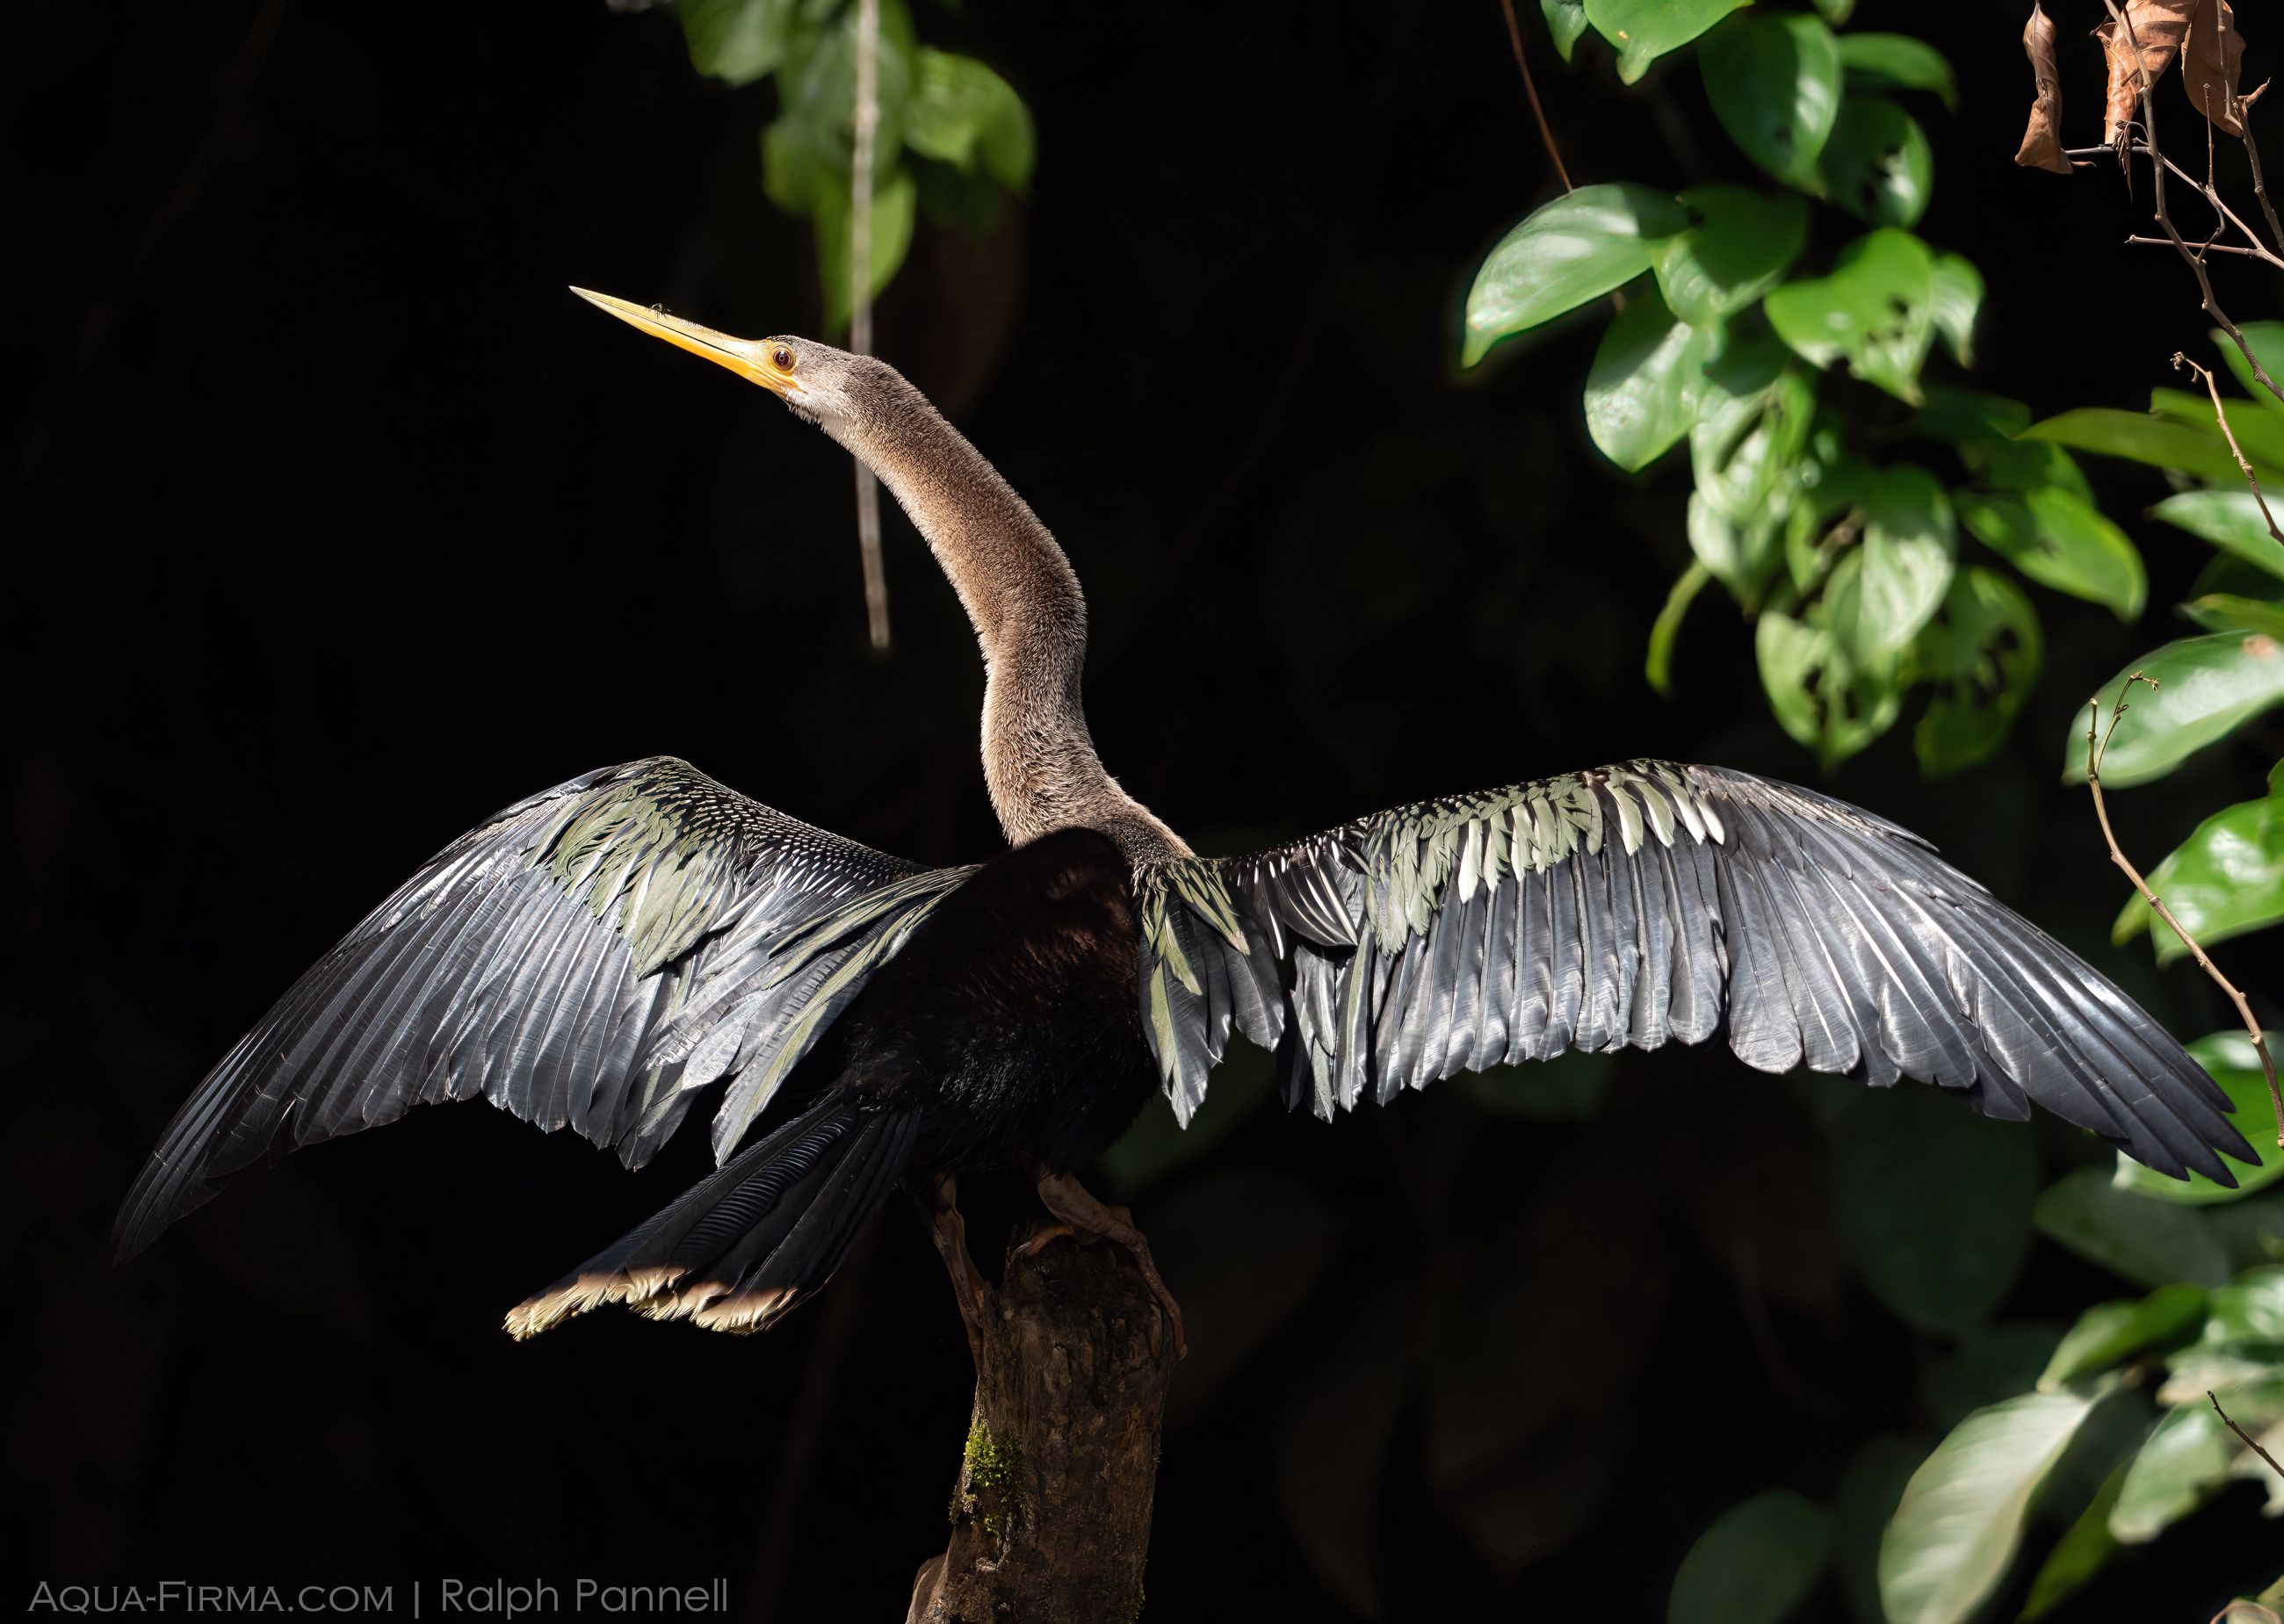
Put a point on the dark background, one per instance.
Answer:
(333, 522)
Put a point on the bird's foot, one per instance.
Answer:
(949, 1230)
(1046, 1232)
(1086, 1219)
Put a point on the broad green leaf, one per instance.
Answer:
(2260, 434)
(1874, 310)
(736, 40)
(1755, 1565)
(1835, 12)
(1756, 416)
(895, 200)
(1754, 419)
(1896, 62)
(1934, 1202)
(1956, 1532)
(1867, 601)
(2249, 1308)
(2185, 1461)
(1643, 30)
(1566, 20)
(1830, 702)
(817, 81)
(1905, 564)
(964, 114)
(1983, 653)
(1774, 81)
(2160, 441)
(802, 163)
(2081, 1552)
(2149, 1243)
(1970, 417)
(2108, 1331)
(2060, 540)
(805, 151)
(2253, 1230)
(2235, 1064)
(1984, 426)
(1741, 557)
(2226, 611)
(1871, 1486)
(1955, 298)
(1795, 660)
(2230, 520)
(2267, 342)
(2225, 879)
(1876, 163)
(1572, 250)
(1647, 381)
(2208, 687)
(1738, 250)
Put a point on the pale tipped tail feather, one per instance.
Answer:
(741, 1248)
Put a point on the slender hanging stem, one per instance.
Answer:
(1530, 88)
(2095, 748)
(860, 299)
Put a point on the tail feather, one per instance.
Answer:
(744, 1246)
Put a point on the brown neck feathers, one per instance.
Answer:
(1023, 600)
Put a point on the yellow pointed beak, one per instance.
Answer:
(745, 357)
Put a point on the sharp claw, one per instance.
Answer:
(1041, 1235)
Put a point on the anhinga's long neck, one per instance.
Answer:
(1024, 602)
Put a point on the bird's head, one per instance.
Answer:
(817, 380)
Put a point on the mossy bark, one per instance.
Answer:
(1050, 1518)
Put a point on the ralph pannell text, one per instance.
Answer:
(505, 1598)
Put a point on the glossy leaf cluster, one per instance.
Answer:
(1848, 560)
(953, 136)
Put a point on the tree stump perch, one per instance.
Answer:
(1050, 1517)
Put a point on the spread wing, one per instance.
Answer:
(592, 956)
(1640, 903)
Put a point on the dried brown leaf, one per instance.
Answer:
(2210, 62)
(2042, 144)
(2158, 27)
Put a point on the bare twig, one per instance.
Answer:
(2159, 164)
(2252, 153)
(2160, 242)
(2252, 1442)
(860, 302)
(2221, 412)
(2259, 250)
(2094, 750)
(1530, 88)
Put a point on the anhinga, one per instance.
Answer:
(601, 953)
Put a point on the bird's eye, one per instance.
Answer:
(781, 358)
